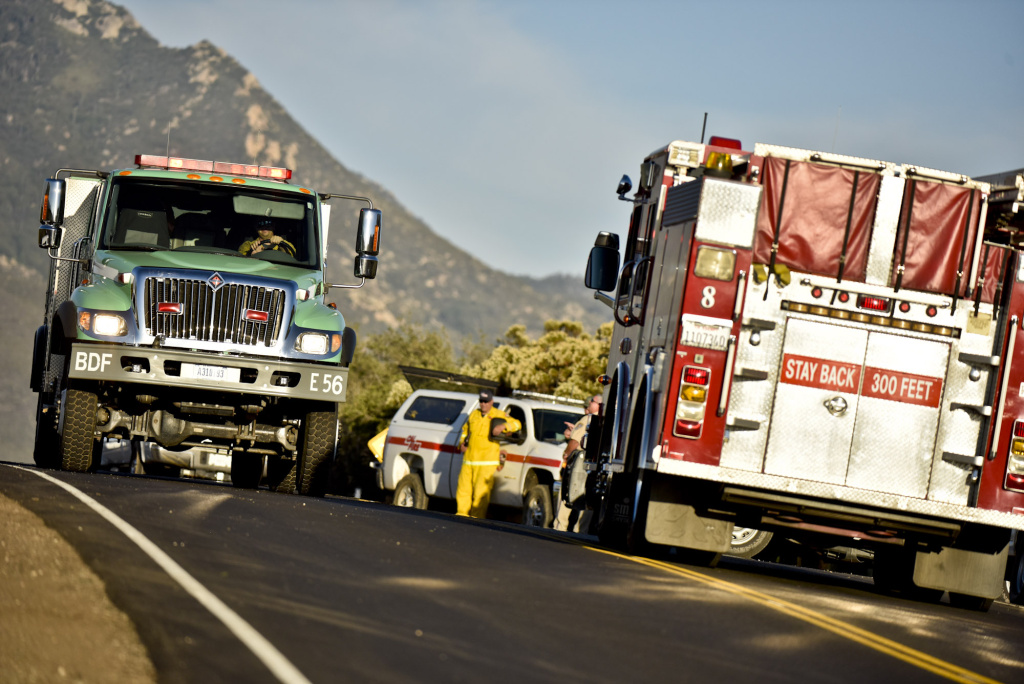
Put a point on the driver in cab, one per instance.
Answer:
(266, 240)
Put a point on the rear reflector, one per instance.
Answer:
(1018, 428)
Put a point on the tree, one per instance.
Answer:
(563, 361)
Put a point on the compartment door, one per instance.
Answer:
(894, 441)
(816, 401)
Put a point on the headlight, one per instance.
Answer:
(312, 343)
(109, 325)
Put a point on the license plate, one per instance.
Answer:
(199, 371)
(706, 333)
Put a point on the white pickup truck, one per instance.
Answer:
(421, 457)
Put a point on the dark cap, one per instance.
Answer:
(486, 395)
(264, 223)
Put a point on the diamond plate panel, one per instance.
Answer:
(728, 212)
(894, 441)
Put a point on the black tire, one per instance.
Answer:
(46, 453)
(970, 602)
(537, 509)
(79, 450)
(319, 432)
(409, 493)
(246, 470)
(748, 542)
(281, 474)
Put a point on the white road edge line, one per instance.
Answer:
(275, 661)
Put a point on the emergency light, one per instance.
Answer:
(151, 161)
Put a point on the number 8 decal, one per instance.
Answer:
(708, 300)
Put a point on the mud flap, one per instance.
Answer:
(672, 522)
(964, 572)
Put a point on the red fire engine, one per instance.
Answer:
(817, 344)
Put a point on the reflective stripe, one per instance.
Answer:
(481, 463)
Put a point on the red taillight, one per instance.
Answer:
(168, 307)
(687, 428)
(872, 303)
(1015, 481)
(731, 143)
(1018, 428)
(259, 316)
(696, 376)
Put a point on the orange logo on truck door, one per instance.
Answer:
(906, 388)
(807, 371)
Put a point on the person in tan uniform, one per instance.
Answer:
(481, 456)
(575, 518)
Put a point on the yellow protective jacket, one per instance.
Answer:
(481, 450)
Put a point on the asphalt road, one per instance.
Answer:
(261, 587)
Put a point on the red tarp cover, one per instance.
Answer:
(814, 217)
(936, 237)
(994, 266)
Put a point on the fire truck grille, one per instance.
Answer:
(187, 309)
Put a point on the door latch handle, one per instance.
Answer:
(836, 406)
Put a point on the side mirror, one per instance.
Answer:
(52, 210)
(368, 232)
(366, 267)
(603, 264)
(49, 236)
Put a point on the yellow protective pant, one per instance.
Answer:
(473, 493)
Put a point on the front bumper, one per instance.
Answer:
(234, 374)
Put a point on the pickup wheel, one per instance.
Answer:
(409, 493)
(537, 506)
(246, 470)
(748, 542)
(79, 451)
(317, 453)
(46, 453)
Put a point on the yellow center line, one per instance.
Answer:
(838, 627)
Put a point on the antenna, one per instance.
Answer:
(703, 128)
(836, 134)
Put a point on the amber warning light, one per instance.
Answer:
(181, 164)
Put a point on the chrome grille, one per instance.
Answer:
(213, 315)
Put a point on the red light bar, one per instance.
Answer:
(259, 316)
(231, 168)
(168, 307)
(873, 303)
(1018, 428)
(696, 376)
(731, 143)
(1015, 481)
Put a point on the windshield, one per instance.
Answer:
(152, 215)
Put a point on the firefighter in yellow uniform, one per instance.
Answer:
(481, 457)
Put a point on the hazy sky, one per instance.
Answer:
(505, 125)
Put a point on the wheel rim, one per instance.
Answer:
(405, 498)
(534, 513)
(742, 535)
